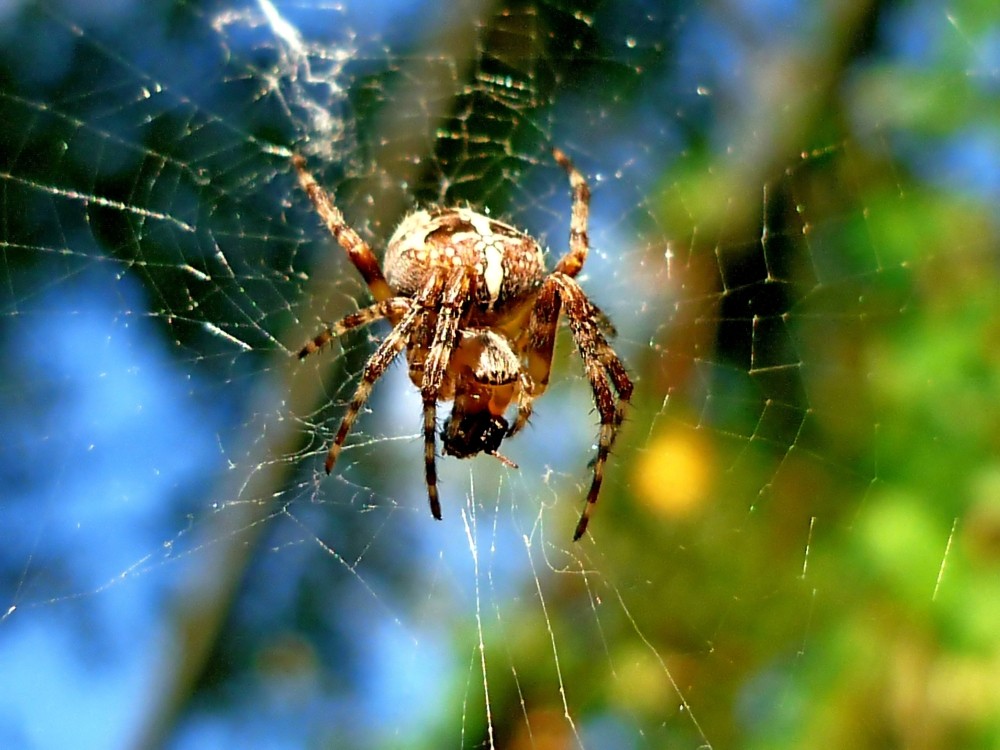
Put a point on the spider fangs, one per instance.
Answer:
(469, 299)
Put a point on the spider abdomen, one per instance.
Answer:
(506, 265)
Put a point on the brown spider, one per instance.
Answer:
(469, 299)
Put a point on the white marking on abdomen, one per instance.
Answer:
(493, 273)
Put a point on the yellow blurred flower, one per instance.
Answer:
(674, 475)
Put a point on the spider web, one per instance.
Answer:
(785, 285)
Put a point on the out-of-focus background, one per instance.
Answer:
(794, 228)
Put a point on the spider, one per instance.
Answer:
(470, 300)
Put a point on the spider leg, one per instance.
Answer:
(571, 263)
(452, 300)
(545, 315)
(541, 342)
(601, 365)
(393, 308)
(542, 329)
(377, 364)
(604, 322)
(357, 249)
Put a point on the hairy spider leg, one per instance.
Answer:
(450, 308)
(600, 363)
(379, 362)
(393, 308)
(545, 315)
(357, 249)
(571, 263)
(599, 360)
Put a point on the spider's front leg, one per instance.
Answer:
(376, 365)
(394, 309)
(453, 298)
(383, 356)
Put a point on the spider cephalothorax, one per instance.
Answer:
(470, 300)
